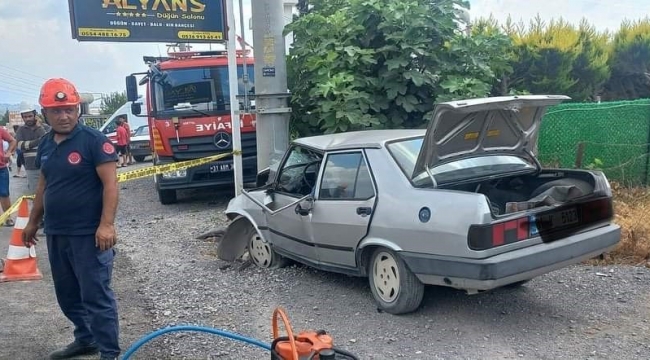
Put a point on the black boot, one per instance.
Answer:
(75, 349)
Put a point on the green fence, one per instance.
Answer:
(612, 136)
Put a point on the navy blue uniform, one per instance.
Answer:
(73, 200)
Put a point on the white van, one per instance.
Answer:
(108, 128)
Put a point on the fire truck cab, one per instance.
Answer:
(188, 111)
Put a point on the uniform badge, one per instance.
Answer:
(108, 148)
(74, 158)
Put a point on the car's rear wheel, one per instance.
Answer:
(262, 254)
(395, 288)
(139, 158)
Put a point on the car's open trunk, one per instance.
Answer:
(510, 194)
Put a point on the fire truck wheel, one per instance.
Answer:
(167, 196)
(139, 158)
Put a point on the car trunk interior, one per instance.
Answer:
(512, 194)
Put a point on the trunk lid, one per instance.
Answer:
(493, 125)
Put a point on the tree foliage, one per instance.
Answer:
(4, 120)
(112, 102)
(630, 62)
(364, 64)
(557, 57)
(372, 64)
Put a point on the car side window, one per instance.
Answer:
(346, 177)
(299, 172)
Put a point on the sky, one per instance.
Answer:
(37, 43)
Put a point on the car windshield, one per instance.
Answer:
(204, 90)
(406, 153)
(142, 131)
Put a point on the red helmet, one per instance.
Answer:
(58, 92)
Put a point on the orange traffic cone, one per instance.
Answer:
(21, 264)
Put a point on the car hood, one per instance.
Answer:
(467, 128)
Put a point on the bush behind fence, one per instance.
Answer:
(612, 136)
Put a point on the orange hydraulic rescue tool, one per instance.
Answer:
(307, 345)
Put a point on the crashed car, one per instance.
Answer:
(464, 203)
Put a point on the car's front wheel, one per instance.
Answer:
(395, 288)
(262, 254)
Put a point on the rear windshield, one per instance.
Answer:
(406, 154)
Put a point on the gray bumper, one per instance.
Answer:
(513, 266)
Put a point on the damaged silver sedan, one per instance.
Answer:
(464, 204)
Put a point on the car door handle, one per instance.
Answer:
(300, 211)
(364, 211)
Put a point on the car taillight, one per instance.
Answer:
(597, 210)
(482, 237)
(488, 236)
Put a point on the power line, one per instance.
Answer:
(24, 72)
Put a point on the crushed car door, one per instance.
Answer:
(343, 208)
(296, 179)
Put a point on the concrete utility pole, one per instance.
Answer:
(271, 94)
(234, 102)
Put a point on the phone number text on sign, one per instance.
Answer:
(200, 35)
(98, 32)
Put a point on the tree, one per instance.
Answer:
(112, 102)
(555, 58)
(5, 118)
(630, 62)
(364, 64)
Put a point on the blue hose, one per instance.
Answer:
(223, 333)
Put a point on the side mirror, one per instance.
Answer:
(136, 109)
(263, 177)
(131, 88)
(304, 207)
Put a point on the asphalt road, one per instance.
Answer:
(165, 276)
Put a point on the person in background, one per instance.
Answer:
(20, 159)
(78, 193)
(28, 137)
(5, 160)
(129, 156)
(122, 141)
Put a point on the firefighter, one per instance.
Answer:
(78, 179)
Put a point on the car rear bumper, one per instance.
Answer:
(138, 149)
(513, 266)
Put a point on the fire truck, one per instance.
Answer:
(188, 110)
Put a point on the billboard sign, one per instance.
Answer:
(196, 21)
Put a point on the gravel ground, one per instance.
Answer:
(582, 312)
(166, 276)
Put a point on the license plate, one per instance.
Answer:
(220, 168)
(552, 221)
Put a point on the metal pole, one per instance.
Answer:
(234, 103)
(271, 95)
